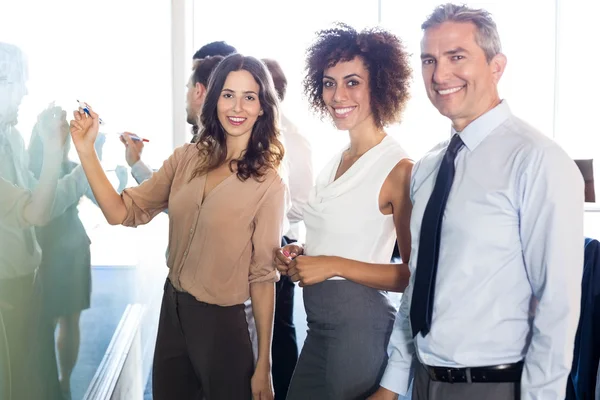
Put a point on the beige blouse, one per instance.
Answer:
(216, 247)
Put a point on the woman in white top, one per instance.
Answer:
(360, 204)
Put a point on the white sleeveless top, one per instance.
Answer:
(342, 216)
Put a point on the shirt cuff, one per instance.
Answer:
(272, 276)
(397, 379)
(141, 172)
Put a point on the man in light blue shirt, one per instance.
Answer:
(493, 302)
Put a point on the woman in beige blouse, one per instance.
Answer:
(226, 204)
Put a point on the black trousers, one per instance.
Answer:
(203, 351)
(285, 347)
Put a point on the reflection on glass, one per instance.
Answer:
(45, 276)
(65, 269)
(26, 202)
(62, 297)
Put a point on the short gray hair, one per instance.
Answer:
(487, 34)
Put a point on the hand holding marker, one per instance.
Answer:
(133, 136)
(84, 107)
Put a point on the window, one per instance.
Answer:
(107, 55)
(578, 85)
(116, 55)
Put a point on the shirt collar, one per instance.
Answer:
(476, 131)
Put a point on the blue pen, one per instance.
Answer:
(85, 109)
(133, 136)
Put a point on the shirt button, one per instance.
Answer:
(191, 230)
(185, 253)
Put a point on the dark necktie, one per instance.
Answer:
(429, 242)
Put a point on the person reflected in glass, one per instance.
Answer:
(25, 203)
(65, 269)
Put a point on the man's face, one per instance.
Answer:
(460, 82)
(196, 94)
(11, 96)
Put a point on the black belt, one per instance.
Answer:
(493, 374)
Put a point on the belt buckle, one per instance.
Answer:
(449, 373)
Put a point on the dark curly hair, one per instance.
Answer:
(264, 150)
(384, 57)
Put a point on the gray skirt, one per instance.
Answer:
(345, 352)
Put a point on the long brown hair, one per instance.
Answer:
(264, 150)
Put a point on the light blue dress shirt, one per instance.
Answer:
(512, 236)
(141, 172)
